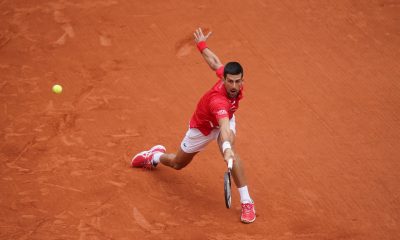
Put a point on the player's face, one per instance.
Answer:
(233, 84)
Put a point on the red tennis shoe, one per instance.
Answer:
(248, 212)
(145, 159)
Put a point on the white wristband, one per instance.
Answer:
(226, 145)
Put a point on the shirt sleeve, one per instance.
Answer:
(220, 71)
(219, 108)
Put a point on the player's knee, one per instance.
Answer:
(181, 160)
(179, 166)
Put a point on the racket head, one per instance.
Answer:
(227, 189)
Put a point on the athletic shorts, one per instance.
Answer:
(195, 141)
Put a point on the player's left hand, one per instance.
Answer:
(199, 36)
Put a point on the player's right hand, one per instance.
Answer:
(199, 36)
(228, 154)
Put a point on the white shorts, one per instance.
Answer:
(195, 141)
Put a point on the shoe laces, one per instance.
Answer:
(247, 207)
(147, 164)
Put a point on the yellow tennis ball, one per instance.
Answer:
(57, 89)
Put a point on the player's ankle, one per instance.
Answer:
(244, 194)
(156, 158)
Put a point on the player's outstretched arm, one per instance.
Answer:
(226, 139)
(210, 57)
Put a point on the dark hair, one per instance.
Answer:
(233, 68)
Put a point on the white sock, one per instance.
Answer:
(244, 194)
(156, 157)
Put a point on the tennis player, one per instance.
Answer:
(213, 119)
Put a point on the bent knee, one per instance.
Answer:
(179, 166)
(182, 160)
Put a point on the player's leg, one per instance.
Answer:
(193, 142)
(178, 160)
(151, 158)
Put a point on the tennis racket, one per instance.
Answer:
(227, 184)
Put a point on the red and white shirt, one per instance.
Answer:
(214, 105)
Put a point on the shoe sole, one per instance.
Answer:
(248, 221)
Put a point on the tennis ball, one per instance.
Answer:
(57, 89)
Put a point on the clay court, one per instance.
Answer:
(318, 128)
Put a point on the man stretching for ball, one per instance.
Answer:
(213, 119)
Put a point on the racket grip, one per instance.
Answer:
(230, 163)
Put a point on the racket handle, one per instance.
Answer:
(230, 163)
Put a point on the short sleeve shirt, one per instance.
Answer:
(214, 105)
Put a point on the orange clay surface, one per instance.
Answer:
(318, 129)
